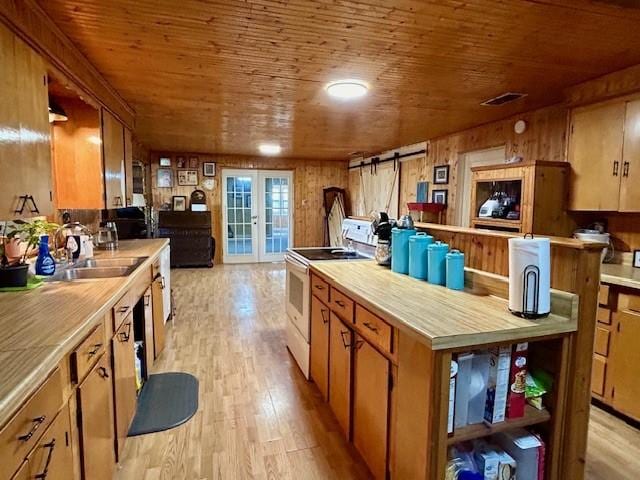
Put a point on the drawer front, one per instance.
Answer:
(320, 288)
(25, 429)
(601, 343)
(86, 355)
(373, 328)
(140, 286)
(604, 315)
(121, 310)
(598, 375)
(629, 302)
(603, 295)
(53, 458)
(341, 305)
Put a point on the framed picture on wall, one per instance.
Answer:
(165, 161)
(209, 169)
(193, 162)
(441, 174)
(181, 162)
(165, 178)
(439, 196)
(179, 203)
(187, 178)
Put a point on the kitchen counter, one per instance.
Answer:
(39, 327)
(442, 318)
(619, 274)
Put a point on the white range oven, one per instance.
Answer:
(298, 291)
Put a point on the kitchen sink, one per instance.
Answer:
(96, 268)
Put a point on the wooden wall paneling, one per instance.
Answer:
(615, 84)
(77, 157)
(309, 177)
(27, 19)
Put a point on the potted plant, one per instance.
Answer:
(32, 233)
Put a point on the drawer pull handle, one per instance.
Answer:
(323, 312)
(36, 424)
(340, 303)
(616, 167)
(125, 336)
(103, 372)
(359, 344)
(318, 287)
(96, 349)
(625, 169)
(51, 445)
(345, 341)
(162, 282)
(371, 327)
(123, 309)
(147, 300)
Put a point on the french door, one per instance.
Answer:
(257, 214)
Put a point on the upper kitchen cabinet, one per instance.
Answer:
(604, 152)
(25, 154)
(113, 148)
(128, 166)
(77, 155)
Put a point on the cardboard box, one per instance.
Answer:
(488, 462)
(452, 395)
(498, 384)
(517, 381)
(507, 466)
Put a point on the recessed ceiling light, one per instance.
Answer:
(270, 149)
(347, 89)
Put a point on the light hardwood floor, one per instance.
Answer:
(258, 417)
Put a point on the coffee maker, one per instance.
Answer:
(382, 226)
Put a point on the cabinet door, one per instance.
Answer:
(595, 153)
(96, 423)
(320, 346)
(629, 191)
(624, 361)
(22, 473)
(128, 166)
(340, 342)
(158, 290)
(148, 330)
(370, 406)
(25, 151)
(124, 380)
(52, 458)
(113, 155)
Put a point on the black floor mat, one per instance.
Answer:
(166, 401)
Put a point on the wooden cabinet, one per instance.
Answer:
(371, 372)
(128, 166)
(149, 354)
(319, 367)
(113, 155)
(158, 291)
(604, 143)
(340, 342)
(624, 363)
(25, 153)
(23, 472)
(53, 458)
(96, 422)
(124, 380)
(630, 176)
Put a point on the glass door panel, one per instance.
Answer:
(275, 207)
(239, 217)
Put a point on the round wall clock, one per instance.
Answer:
(208, 183)
(520, 126)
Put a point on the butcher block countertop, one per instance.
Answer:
(619, 274)
(442, 318)
(39, 327)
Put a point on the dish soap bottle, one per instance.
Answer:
(45, 264)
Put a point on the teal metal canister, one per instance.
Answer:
(455, 270)
(436, 266)
(400, 249)
(418, 244)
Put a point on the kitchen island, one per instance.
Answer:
(54, 339)
(382, 346)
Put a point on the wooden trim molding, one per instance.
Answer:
(27, 20)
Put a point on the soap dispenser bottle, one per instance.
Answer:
(45, 264)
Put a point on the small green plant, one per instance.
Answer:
(30, 232)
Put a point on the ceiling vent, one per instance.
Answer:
(504, 98)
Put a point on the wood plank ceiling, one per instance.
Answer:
(224, 76)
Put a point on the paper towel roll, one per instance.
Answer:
(530, 269)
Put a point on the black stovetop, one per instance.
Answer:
(327, 254)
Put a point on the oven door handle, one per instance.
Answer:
(295, 264)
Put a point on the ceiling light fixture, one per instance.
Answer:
(347, 89)
(270, 149)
